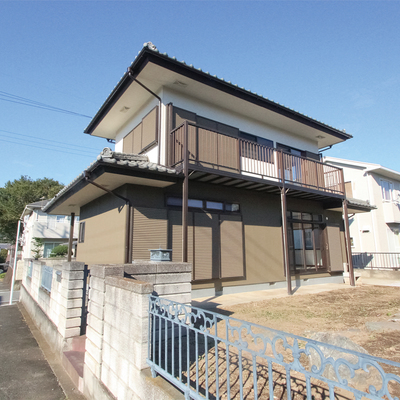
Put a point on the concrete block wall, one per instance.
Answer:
(118, 323)
(62, 305)
(170, 280)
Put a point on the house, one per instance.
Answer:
(225, 178)
(52, 229)
(377, 231)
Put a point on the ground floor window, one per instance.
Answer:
(306, 242)
(48, 247)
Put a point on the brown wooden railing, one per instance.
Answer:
(212, 149)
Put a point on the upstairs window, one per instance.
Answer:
(387, 190)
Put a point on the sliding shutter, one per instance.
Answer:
(127, 143)
(231, 228)
(175, 235)
(149, 128)
(137, 139)
(206, 246)
(150, 228)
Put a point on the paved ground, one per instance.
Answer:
(24, 372)
(227, 300)
(5, 294)
(29, 369)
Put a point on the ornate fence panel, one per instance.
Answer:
(212, 356)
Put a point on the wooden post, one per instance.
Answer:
(185, 194)
(284, 231)
(348, 243)
(71, 236)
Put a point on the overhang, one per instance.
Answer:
(111, 170)
(156, 71)
(354, 206)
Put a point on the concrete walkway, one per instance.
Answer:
(228, 300)
(24, 372)
(29, 370)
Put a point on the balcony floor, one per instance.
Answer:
(272, 186)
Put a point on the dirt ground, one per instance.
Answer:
(215, 367)
(342, 311)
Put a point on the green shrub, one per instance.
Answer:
(2, 275)
(59, 251)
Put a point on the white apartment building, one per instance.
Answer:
(53, 229)
(376, 231)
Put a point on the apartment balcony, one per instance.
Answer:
(391, 212)
(217, 158)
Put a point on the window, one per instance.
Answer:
(48, 247)
(305, 238)
(47, 277)
(81, 232)
(206, 204)
(214, 205)
(387, 189)
(29, 271)
(60, 218)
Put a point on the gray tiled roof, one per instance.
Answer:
(150, 46)
(107, 156)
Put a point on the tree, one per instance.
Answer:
(37, 247)
(3, 255)
(14, 196)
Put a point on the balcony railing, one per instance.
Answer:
(211, 149)
(390, 261)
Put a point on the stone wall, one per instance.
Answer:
(57, 312)
(118, 323)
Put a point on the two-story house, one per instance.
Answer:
(229, 180)
(52, 229)
(376, 232)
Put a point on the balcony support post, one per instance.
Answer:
(185, 194)
(285, 241)
(71, 237)
(285, 230)
(348, 243)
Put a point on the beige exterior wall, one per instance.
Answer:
(105, 230)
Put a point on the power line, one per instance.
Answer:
(12, 98)
(44, 148)
(46, 140)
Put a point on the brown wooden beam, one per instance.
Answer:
(285, 230)
(71, 237)
(348, 243)
(185, 195)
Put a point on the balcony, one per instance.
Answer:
(215, 153)
(391, 212)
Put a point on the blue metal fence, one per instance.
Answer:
(47, 277)
(212, 356)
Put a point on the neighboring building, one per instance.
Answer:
(53, 229)
(378, 230)
(226, 178)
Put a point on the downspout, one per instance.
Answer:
(129, 213)
(71, 237)
(130, 73)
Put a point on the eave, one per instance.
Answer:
(155, 61)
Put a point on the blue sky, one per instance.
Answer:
(335, 61)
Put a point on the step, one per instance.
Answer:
(73, 362)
